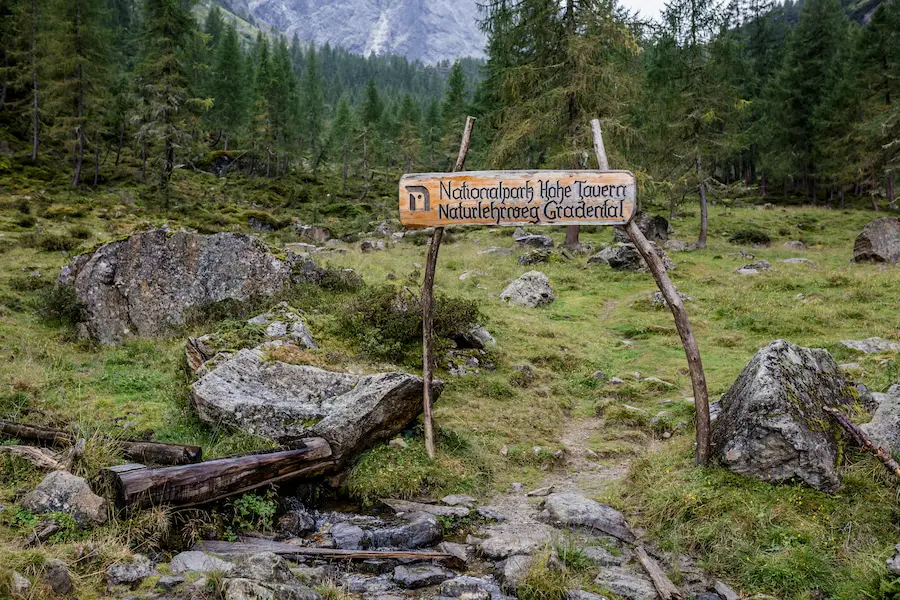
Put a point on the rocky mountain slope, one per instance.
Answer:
(430, 31)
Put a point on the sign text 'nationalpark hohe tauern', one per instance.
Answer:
(517, 198)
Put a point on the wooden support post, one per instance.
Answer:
(428, 303)
(691, 350)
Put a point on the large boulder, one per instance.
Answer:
(879, 241)
(655, 229)
(569, 509)
(627, 258)
(884, 428)
(61, 491)
(145, 284)
(286, 401)
(773, 426)
(531, 290)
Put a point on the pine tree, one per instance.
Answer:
(454, 111)
(340, 136)
(409, 131)
(431, 134)
(8, 11)
(78, 76)
(264, 102)
(169, 34)
(803, 82)
(214, 26)
(229, 89)
(312, 101)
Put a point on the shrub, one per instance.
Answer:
(50, 242)
(387, 322)
(57, 211)
(749, 235)
(26, 221)
(60, 304)
(267, 220)
(81, 232)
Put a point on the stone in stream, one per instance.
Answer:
(198, 562)
(514, 570)
(878, 242)
(871, 345)
(569, 509)
(422, 530)
(348, 536)
(145, 285)
(264, 566)
(626, 584)
(281, 400)
(129, 573)
(467, 587)
(772, 425)
(240, 588)
(406, 506)
(61, 491)
(508, 540)
(458, 500)
(530, 290)
(421, 575)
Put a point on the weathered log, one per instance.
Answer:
(860, 438)
(41, 458)
(192, 485)
(150, 452)
(664, 586)
(251, 545)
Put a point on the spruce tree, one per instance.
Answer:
(312, 102)
(78, 75)
(340, 136)
(229, 87)
(214, 26)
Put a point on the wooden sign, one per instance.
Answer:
(518, 198)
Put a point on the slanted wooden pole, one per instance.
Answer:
(428, 302)
(691, 350)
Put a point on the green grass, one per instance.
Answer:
(744, 531)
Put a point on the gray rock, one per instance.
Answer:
(199, 562)
(490, 513)
(129, 573)
(356, 583)
(61, 491)
(893, 563)
(372, 245)
(535, 257)
(495, 250)
(582, 595)
(515, 570)
(626, 584)
(514, 539)
(317, 235)
(569, 509)
(604, 255)
(310, 575)
(707, 596)
(145, 285)
(725, 591)
(459, 500)
(655, 229)
(285, 321)
(795, 261)
(247, 589)
(168, 583)
(297, 522)
(879, 241)
(795, 245)
(471, 588)
(422, 575)
(423, 530)
(477, 337)
(677, 246)
(604, 557)
(264, 566)
(627, 258)
(756, 267)
(884, 428)
(657, 300)
(530, 290)
(19, 586)
(535, 241)
(458, 551)
(347, 536)
(57, 576)
(409, 507)
(276, 400)
(772, 426)
(871, 345)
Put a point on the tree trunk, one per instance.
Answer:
(34, 83)
(815, 193)
(763, 185)
(344, 168)
(227, 135)
(97, 163)
(572, 233)
(4, 85)
(191, 485)
(672, 208)
(121, 141)
(890, 191)
(704, 217)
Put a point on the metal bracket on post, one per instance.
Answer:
(691, 350)
(428, 304)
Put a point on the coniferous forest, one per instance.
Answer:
(795, 100)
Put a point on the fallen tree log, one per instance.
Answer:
(146, 452)
(135, 487)
(664, 586)
(250, 545)
(860, 438)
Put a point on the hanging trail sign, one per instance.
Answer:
(517, 198)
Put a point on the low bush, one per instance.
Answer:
(50, 242)
(59, 303)
(81, 232)
(749, 235)
(387, 322)
(266, 220)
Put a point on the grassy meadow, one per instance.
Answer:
(787, 541)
